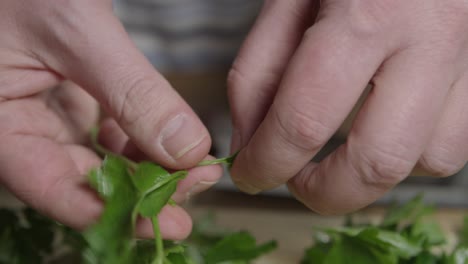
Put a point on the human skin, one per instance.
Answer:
(303, 67)
(42, 159)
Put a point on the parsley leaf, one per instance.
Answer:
(110, 239)
(464, 233)
(406, 235)
(240, 247)
(156, 197)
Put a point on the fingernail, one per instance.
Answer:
(246, 187)
(199, 187)
(180, 135)
(235, 140)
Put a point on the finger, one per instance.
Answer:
(43, 174)
(174, 222)
(256, 72)
(325, 78)
(51, 176)
(199, 178)
(111, 136)
(387, 138)
(34, 163)
(17, 82)
(447, 152)
(75, 107)
(102, 59)
(59, 190)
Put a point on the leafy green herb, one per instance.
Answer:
(405, 236)
(128, 190)
(464, 233)
(27, 237)
(109, 240)
(210, 244)
(132, 189)
(239, 247)
(154, 199)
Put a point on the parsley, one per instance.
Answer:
(27, 237)
(406, 235)
(132, 189)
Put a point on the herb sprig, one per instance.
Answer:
(406, 235)
(131, 190)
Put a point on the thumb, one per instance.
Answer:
(92, 49)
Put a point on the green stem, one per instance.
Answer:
(135, 212)
(103, 151)
(159, 259)
(226, 160)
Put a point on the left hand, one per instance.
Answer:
(43, 160)
(304, 66)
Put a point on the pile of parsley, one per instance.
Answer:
(406, 235)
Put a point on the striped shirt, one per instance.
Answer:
(188, 35)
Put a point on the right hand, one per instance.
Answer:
(42, 161)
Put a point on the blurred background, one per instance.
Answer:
(193, 42)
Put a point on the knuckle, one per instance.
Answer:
(235, 79)
(440, 163)
(301, 9)
(239, 78)
(366, 19)
(137, 100)
(68, 22)
(381, 167)
(301, 129)
(248, 91)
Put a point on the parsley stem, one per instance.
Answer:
(176, 175)
(226, 160)
(158, 241)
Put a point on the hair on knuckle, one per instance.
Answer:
(302, 130)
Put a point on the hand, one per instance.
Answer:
(42, 160)
(304, 66)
